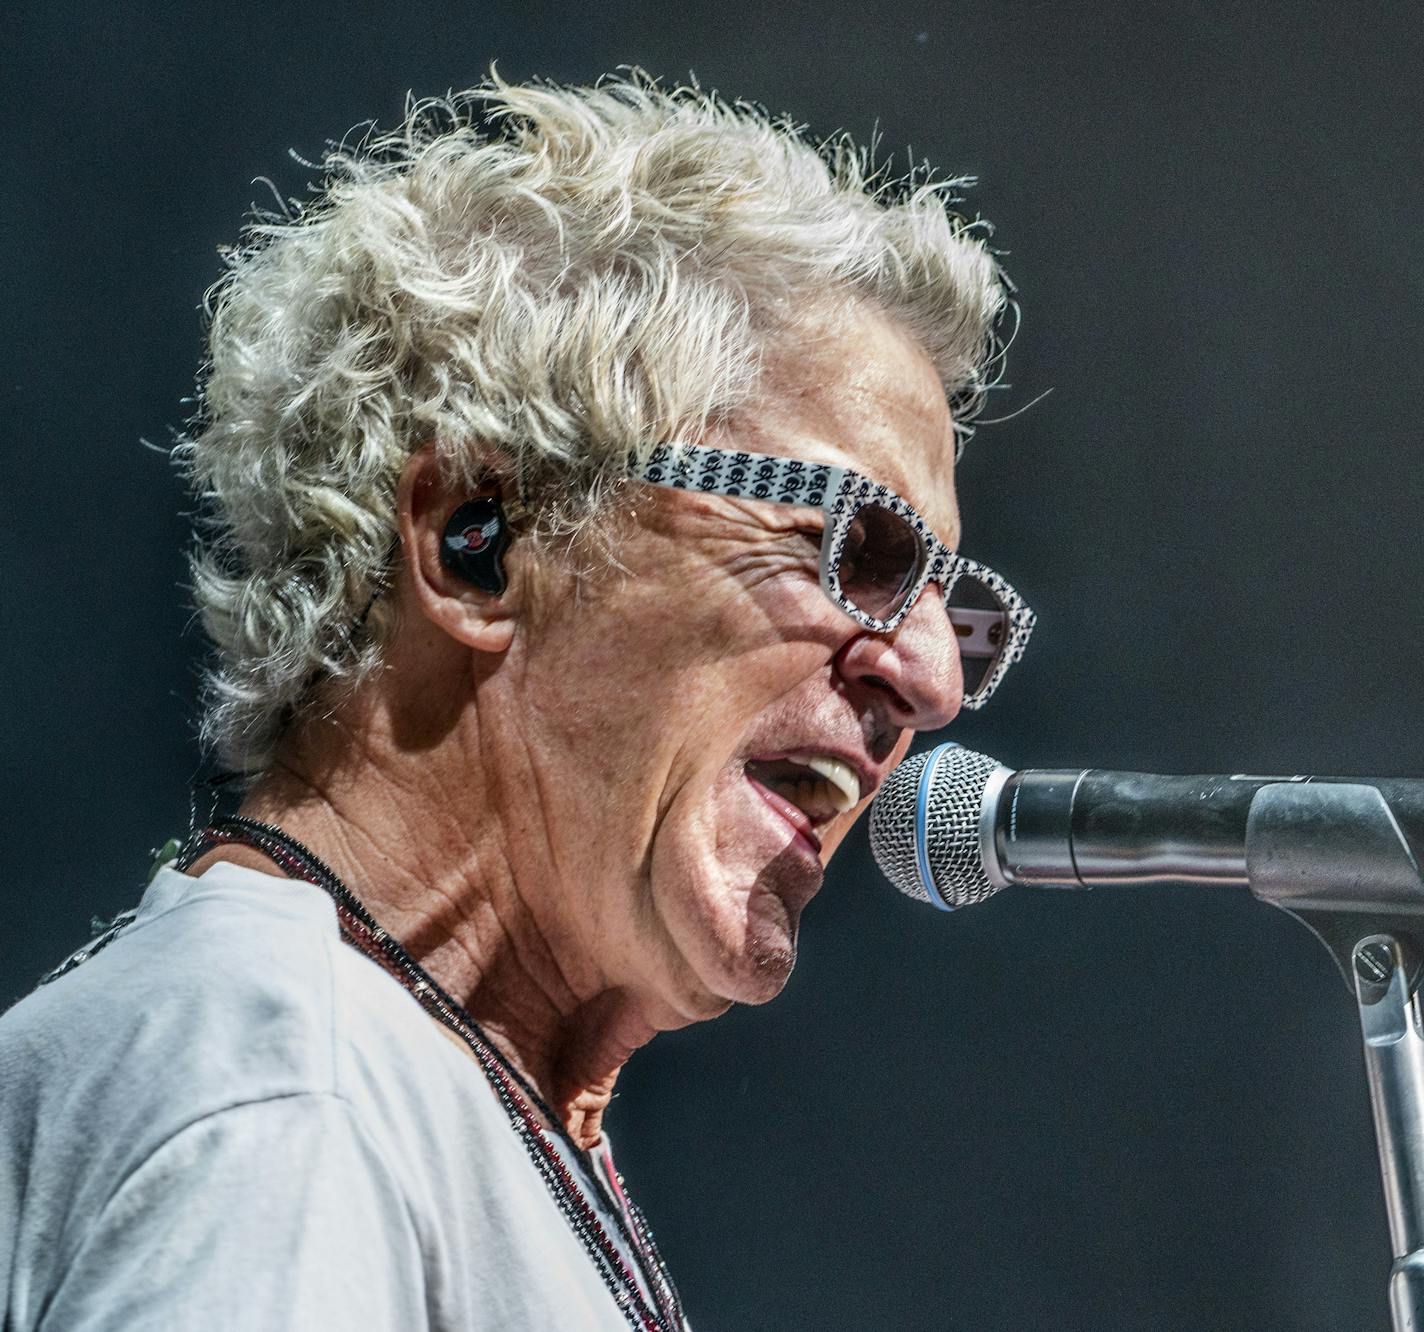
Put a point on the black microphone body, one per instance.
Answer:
(1094, 827)
(952, 827)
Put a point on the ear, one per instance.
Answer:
(425, 501)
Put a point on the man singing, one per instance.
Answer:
(579, 553)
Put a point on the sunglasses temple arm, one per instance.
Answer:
(835, 479)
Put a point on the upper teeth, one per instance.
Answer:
(841, 777)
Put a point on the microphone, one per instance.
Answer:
(951, 827)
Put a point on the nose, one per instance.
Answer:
(913, 675)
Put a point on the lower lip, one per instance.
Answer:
(791, 816)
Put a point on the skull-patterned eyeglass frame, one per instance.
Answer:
(994, 635)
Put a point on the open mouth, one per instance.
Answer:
(808, 789)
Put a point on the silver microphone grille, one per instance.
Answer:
(952, 806)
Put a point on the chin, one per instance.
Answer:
(767, 979)
(758, 975)
(729, 882)
(763, 963)
(754, 977)
(739, 939)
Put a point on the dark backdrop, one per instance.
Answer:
(1088, 1113)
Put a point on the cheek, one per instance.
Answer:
(684, 676)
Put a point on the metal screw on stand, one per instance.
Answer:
(1374, 962)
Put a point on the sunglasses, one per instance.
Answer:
(877, 553)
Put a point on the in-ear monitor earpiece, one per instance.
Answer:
(474, 543)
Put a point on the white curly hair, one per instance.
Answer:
(539, 280)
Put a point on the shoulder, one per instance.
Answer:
(291, 1187)
(220, 992)
(211, 1017)
(226, 990)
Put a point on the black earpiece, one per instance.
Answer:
(474, 543)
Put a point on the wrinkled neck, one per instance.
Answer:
(436, 873)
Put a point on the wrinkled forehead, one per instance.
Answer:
(859, 392)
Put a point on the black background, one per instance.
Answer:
(1103, 1112)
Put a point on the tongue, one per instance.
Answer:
(793, 814)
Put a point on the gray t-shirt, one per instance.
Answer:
(228, 1118)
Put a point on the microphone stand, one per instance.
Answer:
(1363, 897)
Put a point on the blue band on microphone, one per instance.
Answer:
(922, 810)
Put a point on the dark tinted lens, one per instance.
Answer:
(880, 562)
(981, 625)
